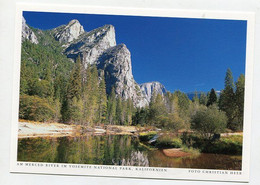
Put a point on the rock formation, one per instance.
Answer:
(27, 33)
(99, 47)
(69, 32)
(91, 45)
(117, 66)
(150, 87)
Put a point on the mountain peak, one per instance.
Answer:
(27, 33)
(73, 21)
(69, 32)
(92, 44)
(116, 49)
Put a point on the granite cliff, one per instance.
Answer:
(98, 47)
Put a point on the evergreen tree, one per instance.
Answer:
(239, 100)
(75, 81)
(227, 99)
(153, 97)
(140, 117)
(124, 112)
(57, 108)
(129, 111)
(111, 107)
(58, 83)
(91, 96)
(183, 102)
(76, 110)
(73, 96)
(203, 99)
(119, 111)
(157, 110)
(102, 101)
(212, 97)
(195, 98)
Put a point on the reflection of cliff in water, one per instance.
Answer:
(137, 158)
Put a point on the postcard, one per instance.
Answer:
(138, 93)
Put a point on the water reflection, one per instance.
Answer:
(114, 150)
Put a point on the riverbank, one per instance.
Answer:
(29, 129)
(178, 143)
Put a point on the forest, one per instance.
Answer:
(55, 89)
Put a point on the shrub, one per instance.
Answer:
(209, 121)
(146, 136)
(168, 142)
(227, 145)
(191, 150)
(35, 108)
(231, 145)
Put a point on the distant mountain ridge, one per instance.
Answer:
(192, 94)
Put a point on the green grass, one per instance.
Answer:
(168, 142)
(231, 145)
(147, 147)
(228, 145)
(146, 136)
(190, 150)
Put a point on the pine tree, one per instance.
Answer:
(183, 102)
(111, 107)
(195, 98)
(75, 81)
(212, 97)
(76, 110)
(227, 99)
(173, 120)
(91, 95)
(102, 101)
(157, 110)
(124, 112)
(119, 111)
(24, 79)
(74, 95)
(175, 106)
(239, 100)
(129, 111)
(153, 97)
(203, 99)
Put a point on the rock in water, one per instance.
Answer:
(116, 63)
(149, 87)
(27, 33)
(69, 32)
(91, 45)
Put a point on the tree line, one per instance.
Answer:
(206, 113)
(52, 88)
(82, 101)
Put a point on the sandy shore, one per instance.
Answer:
(32, 129)
(36, 129)
(175, 152)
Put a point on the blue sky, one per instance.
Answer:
(183, 54)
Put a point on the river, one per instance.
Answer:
(115, 150)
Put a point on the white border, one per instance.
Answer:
(172, 173)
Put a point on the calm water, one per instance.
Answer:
(114, 150)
